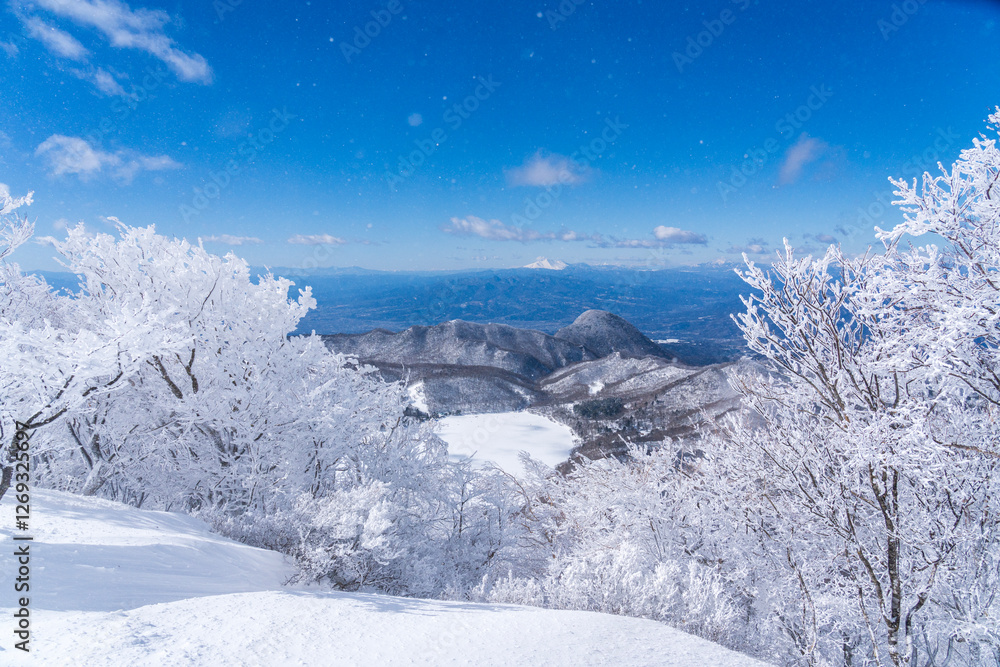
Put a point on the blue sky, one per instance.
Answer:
(472, 135)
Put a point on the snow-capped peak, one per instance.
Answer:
(545, 263)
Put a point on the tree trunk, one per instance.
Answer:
(890, 508)
(95, 479)
(8, 460)
(5, 478)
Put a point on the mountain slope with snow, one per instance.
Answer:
(604, 333)
(531, 354)
(112, 585)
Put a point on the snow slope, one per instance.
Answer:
(112, 585)
(95, 555)
(499, 437)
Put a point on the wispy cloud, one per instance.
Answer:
(102, 80)
(316, 239)
(803, 152)
(140, 29)
(59, 42)
(820, 238)
(134, 163)
(228, 239)
(544, 170)
(63, 45)
(663, 237)
(73, 155)
(495, 230)
(123, 28)
(752, 247)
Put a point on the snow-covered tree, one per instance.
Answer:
(169, 378)
(869, 463)
(57, 357)
(638, 537)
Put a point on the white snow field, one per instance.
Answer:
(113, 585)
(499, 437)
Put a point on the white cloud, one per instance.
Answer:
(677, 235)
(131, 166)
(495, 230)
(64, 45)
(234, 240)
(414, 119)
(10, 48)
(57, 41)
(803, 152)
(102, 80)
(73, 155)
(123, 27)
(542, 170)
(316, 239)
(663, 237)
(490, 229)
(752, 247)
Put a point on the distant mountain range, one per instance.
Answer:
(690, 307)
(525, 352)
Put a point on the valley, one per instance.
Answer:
(599, 377)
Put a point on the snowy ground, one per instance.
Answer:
(112, 585)
(501, 436)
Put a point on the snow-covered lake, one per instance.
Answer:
(499, 437)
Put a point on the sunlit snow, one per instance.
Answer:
(499, 438)
(112, 585)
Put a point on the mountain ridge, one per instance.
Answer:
(526, 352)
(604, 333)
(464, 367)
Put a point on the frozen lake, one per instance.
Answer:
(500, 436)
